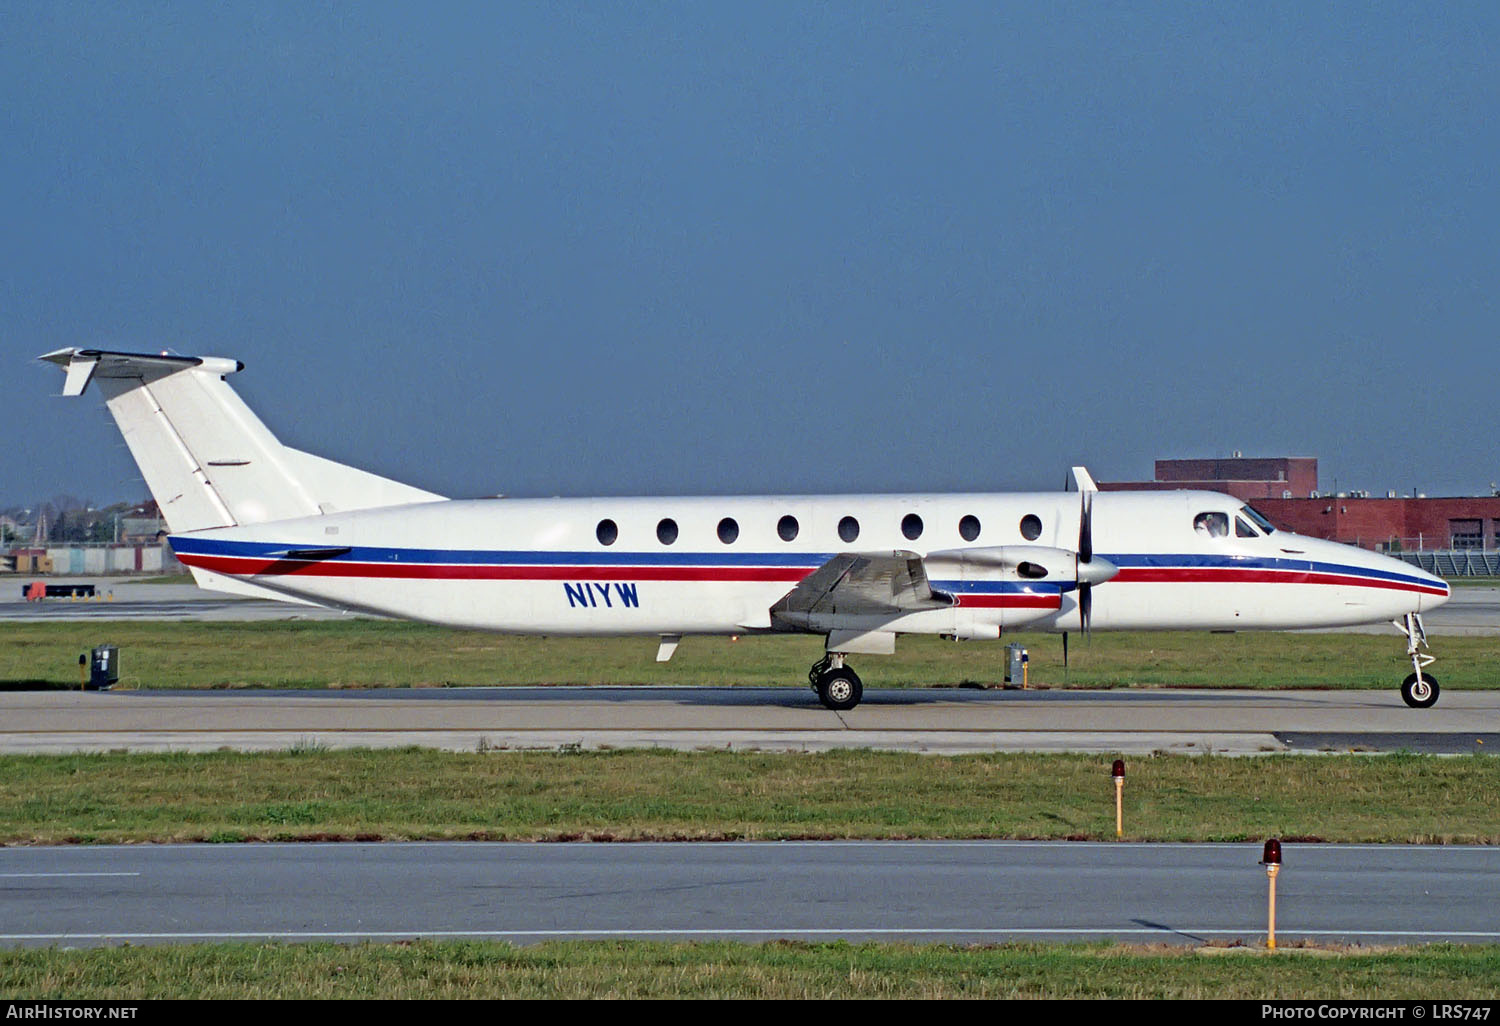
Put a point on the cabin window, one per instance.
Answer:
(786, 528)
(666, 531)
(848, 529)
(1243, 530)
(1031, 527)
(728, 530)
(607, 532)
(1212, 525)
(968, 528)
(911, 526)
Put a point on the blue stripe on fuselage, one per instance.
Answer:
(191, 545)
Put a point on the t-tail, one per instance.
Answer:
(207, 459)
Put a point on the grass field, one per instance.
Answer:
(374, 653)
(724, 970)
(665, 795)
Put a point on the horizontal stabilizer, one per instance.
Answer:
(84, 365)
(210, 581)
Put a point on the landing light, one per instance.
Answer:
(1118, 772)
(1271, 859)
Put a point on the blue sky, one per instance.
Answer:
(685, 248)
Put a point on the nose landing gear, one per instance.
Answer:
(1419, 690)
(836, 686)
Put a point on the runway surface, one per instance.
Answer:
(955, 892)
(772, 719)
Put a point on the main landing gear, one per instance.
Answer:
(1419, 690)
(837, 686)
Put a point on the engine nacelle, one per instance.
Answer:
(1019, 562)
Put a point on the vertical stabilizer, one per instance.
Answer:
(208, 460)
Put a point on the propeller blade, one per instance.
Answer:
(1065, 651)
(1086, 528)
(1085, 605)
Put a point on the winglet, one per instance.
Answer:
(1082, 479)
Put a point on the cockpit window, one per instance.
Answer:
(1214, 525)
(1259, 521)
(1243, 530)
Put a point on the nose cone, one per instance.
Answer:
(1385, 588)
(1425, 591)
(1430, 598)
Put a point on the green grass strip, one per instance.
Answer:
(374, 653)
(726, 970)
(663, 795)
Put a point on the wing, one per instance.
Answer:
(862, 584)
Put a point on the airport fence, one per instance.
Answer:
(1454, 562)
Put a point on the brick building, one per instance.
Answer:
(1282, 477)
(1286, 491)
(1397, 524)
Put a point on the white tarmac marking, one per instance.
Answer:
(10, 876)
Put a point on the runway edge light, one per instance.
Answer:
(1118, 772)
(1271, 859)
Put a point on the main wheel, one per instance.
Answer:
(840, 690)
(1419, 693)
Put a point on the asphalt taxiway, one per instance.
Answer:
(935, 891)
(771, 719)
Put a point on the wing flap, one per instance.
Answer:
(863, 585)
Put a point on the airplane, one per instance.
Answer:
(251, 516)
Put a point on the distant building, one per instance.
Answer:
(1285, 489)
(1283, 477)
(143, 523)
(1392, 524)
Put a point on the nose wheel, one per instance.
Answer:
(1419, 690)
(836, 685)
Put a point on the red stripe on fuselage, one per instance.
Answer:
(246, 566)
(1226, 575)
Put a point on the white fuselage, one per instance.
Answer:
(540, 566)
